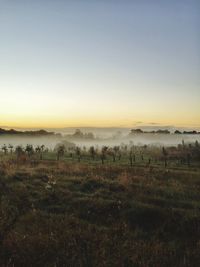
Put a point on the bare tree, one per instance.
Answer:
(42, 147)
(29, 150)
(92, 152)
(60, 151)
(131, 157)
(103, 153)
(78, 153)
(5, 149)
(38, 150)
(164, 152)
(11, 148)
(19, 151)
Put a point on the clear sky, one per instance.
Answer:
(99, 63)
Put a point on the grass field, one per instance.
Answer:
(70, 213)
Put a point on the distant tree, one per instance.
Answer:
(177, 132)
(19, 151)
(68, 146)
(145, 147)
(60, 151)
(78, 134)
(42, 148)
(163, 132)
(116, 150)
(5, 149)
(113, 154)
(78, 153)
(11, 148)
(38, 151)
(136, 131)
(196, 144)
(164, 152)
(190, 132)
(92, 152)
(103, 153)
(183, 143)
(89, 136)
(29, 150)
(131, 157)
(188, 159)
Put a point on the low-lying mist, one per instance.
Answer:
(104, 140)
(49, 142)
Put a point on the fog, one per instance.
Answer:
(108, 139)
(49, 142)
(142, 139)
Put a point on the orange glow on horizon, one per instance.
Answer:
(91, 122)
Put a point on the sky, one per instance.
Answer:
(99, 63)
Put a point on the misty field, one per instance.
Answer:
(137, 206)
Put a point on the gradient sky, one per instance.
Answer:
(99, 63)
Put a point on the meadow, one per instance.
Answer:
(112, 206)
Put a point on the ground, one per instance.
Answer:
(62, 213)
